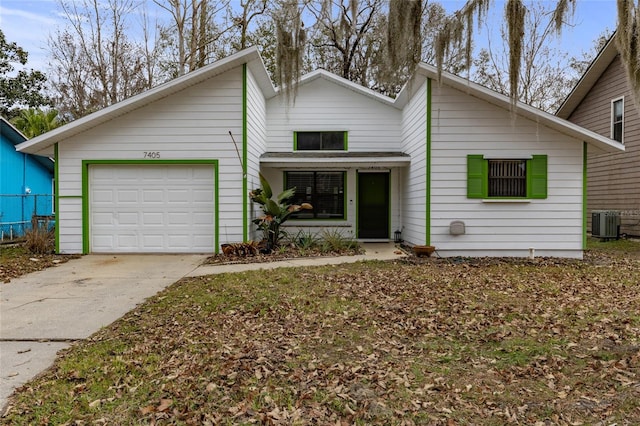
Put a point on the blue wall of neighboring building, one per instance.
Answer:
(25, 182)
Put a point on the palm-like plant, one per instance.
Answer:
(276, 212)
(34, 122)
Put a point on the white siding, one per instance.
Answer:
(192, 124)
(70, 224)
(322, 105)
(414, 178)
(256, 143)
(463, 125)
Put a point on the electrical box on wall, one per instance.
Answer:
(457, 227)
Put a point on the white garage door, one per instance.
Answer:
(151, 208)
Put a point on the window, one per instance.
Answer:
(323, 190)
(617, 119)
(320, 141)
(506, 178)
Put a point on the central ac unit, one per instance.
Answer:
(605, 224)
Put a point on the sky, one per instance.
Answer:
(29, 23)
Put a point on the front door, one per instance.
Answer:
(373, 205)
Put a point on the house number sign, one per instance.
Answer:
(151, 154)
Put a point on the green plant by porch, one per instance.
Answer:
(276, 212)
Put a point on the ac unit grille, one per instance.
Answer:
(605, 224)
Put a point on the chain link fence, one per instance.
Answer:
(20, 213)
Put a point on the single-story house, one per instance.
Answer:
(26, 183)
(603, 102)
(448, 163)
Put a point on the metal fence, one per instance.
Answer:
(20, 213)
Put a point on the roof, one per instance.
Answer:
(521, 109)
(16, 137)
(44, 143)
(602, 61)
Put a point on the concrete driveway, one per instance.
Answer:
(44, 312)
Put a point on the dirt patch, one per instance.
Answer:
(15, 261)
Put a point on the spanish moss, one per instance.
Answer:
(291, 38)
(515, 14)
(627, 43)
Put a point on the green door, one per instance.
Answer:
(373, 205)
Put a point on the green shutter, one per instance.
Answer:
(538, 177)
(476, 173)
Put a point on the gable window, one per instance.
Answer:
(617, 119)
(320, 141)
(323, 190)
(507, 178)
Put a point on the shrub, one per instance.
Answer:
(40, 240)
(333, 240)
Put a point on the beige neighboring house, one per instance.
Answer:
(603, 102)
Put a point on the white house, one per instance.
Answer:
(447, 162)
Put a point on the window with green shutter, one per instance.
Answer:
(506, 178)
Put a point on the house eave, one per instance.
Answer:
(601, 62)
(315, 159)
(597, 141)
(43, 144)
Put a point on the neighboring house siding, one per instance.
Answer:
(256, 143)
(463, 125)
(192, 124)
(414, 177)
(19, 171)
(613, 179)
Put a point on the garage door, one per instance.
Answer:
(151, 208)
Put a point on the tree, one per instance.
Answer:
(94, 63)
(545, 76)
(34, 122)
(189, 41)
(24, 88)
(339, 42)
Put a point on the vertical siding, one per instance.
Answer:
(463, 125)
(192, 124)
(256, 142)
(613, 180)
(414, 143)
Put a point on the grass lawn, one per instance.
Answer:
(428, 341)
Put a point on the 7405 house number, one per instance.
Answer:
(151, 154)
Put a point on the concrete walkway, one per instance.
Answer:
(46, 311)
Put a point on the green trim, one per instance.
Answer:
(584, 195)
(389, 203)
(357, 197)
(345, 141)
(245, 189)
(427, 226)
(85, 192)
(478, 178)
(56, 196)
(537, 177)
